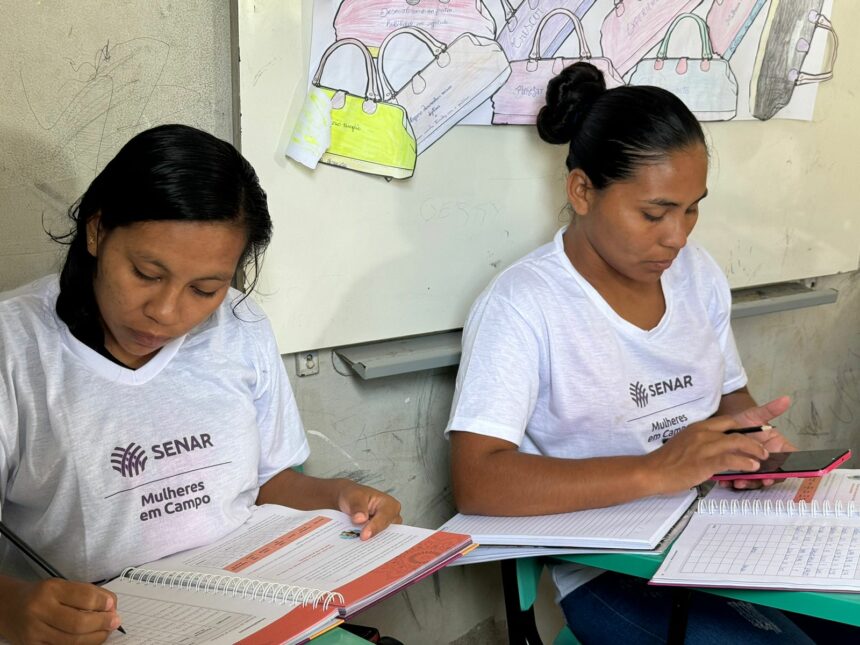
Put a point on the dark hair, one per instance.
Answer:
(171, 172)
(613, 132)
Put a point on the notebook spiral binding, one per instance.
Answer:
(790, 508)
(233, 586)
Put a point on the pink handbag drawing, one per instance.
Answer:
(729, 21)
(632, 28)
(370, 21)
(461, 76)
(516, 36)
(522, 96)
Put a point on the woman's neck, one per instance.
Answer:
(641, 304)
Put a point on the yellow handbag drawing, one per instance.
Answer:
(367, 134)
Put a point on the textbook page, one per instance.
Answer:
(319, 552)
(640, 524)
(765, 551)
(154, 615)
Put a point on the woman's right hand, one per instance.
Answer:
(703, 449)
(56, 611)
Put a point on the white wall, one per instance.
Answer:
(814, 356)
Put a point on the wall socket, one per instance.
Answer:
(307, 363)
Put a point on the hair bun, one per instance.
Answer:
(568, 99)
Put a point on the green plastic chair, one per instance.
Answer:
(528, 572)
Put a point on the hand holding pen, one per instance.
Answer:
(772, 440)
(53, 610)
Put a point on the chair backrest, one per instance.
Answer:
(528, 576)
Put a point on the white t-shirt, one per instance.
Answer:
(548, 365)
(102, 467)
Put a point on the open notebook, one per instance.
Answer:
(640, 524)
(801, 534)
(280, 577)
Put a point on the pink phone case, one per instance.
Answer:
(772, 475)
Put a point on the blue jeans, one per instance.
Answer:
(614, 608)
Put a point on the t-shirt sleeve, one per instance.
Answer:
(283, 443)
(8, 429)
(720, 312)
(497, 384)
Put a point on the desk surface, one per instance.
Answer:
(841, 607)
(338, 637)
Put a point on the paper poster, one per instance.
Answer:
(402, 73)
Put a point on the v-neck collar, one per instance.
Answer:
(620, 323)
(117, 373)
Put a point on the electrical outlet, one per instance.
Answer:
(307, 363)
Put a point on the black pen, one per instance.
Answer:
(22, 546)
(749, 430)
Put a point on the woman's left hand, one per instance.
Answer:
(368, 506)
(773, 441)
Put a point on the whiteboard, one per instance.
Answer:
(356, 258)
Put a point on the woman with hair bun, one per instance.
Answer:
(601, 368)
(144, 408)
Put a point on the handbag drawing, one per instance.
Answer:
(705, 84)
(367, 134)
(523, 94)
(370, 21)
(632, 28)
(461, 76)
(517, 35)
(729, 21)
(782, 51)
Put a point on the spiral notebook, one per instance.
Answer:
(281, 577)
(801, 534)
(639, 524)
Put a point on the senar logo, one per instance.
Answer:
(659, 388)
(178, 446)
(641, 394)
(129, 461)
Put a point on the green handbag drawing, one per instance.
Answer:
(367, 134)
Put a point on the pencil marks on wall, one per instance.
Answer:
(98, 104)
(79, 80)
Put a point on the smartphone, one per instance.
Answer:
(802, 463)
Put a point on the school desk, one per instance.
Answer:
(520, 580)
(338, 637)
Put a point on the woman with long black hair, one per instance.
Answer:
(144, 408)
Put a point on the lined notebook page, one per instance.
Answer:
(640, 524)
(813, 553)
